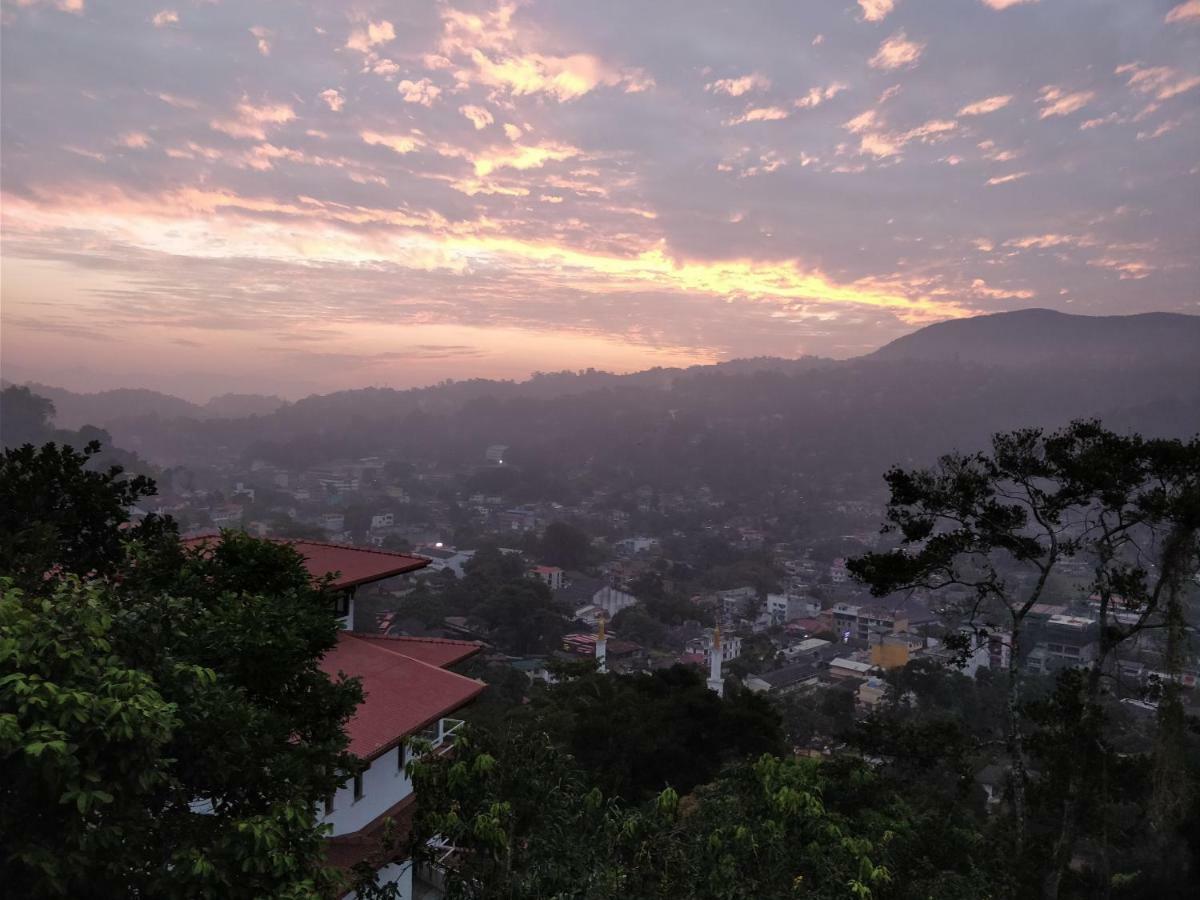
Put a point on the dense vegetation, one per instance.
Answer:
(144, 692)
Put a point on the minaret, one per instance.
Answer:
(715, 681)
(601, 647)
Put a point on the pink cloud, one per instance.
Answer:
(897, 52)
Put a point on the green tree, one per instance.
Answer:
(24, 417)
(58, 514)
(638, 734)
(171, 681)
(564, 545)
(1001, 524)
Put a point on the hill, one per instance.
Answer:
(1045, 337)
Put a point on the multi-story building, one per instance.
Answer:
(553, 576)
(409, 698)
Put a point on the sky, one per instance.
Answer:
(279, 196)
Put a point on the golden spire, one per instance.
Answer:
(717, 636)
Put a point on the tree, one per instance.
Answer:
(24, 416)
(566, 546)
(170, 680)
(638, 734)
(1001, 524)
(56, 513)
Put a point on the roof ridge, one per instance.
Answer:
(428, 640)
(419, 662)
(338, 546)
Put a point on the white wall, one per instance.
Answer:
(383, 787)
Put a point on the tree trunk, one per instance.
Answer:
(1015, 741)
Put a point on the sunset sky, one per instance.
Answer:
(286, 197)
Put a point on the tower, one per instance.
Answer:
(715, 681)
(601, 647)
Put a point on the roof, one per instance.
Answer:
(402, 694)
(351, 566)
(440, 652)
(852, 665)
(368, 845)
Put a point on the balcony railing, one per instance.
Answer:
(439, 737)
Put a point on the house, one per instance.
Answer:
(350, 567)
(409, 698)
(840, 667)
(228, 516)
(333, 521)
(837, 571)
(552, 576)
(383, 520)
(731, 646)
(519, 518)
(787, 679)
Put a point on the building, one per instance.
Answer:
(612, 600)
(840, 667)
(409, 698)
(383, 520)
(349, 567)
(552, 576)
(519, 518)
(495, 454)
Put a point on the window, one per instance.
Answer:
(341, 604)
(358, 787)
(329, 805)
(400, 760)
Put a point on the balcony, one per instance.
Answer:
(438, 737)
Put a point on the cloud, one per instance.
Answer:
(1006, 179)
(512, 131)
(333, 99)
(897, 52)
(1005, 4)
(262, 35)
(1160, 82)
(397, 143)
(818, 95)
(1051, 240)
(478, 116)
(252, 121)
(1188, 11)
(1057, 102)
(735, 87)
(877, 141)
(876, 10)
(488, 49)
(983, 107)
(165, 17)
(521, 157)
(1164, 128)
(374, 34)
(760, 114)
(422, 92)
(981, 288)
(135, 140)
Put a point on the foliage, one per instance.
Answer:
(564, 545)
(171, 681)
(58, 514)
(638, 734)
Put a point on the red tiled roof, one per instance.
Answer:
(353, 565)
(439, 652)
(402, 693)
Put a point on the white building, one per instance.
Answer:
(408, 699)
(612, 601)
(383, 520)
(553, 576)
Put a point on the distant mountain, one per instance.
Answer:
(1045, 337)
(102, 409)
